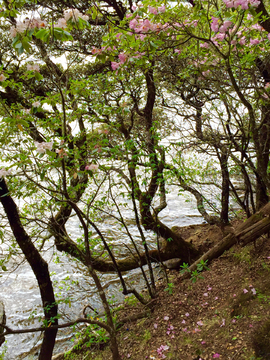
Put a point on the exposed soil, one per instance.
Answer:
(225, 314)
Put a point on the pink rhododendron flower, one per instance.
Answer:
(43, 146)
(92, 167)
(162, 8)
(204, 45)
(225, 26)
(177, 51)
(115, 65)
(255, 41)
(74, 15)
(95, 51)
(36, 104)
(214, 24)
(133, 23)
(34, 67)
(245, 291)
(253, 291)
(61, 23)
(257, 27)
(205, 73)
(122, 57)
(32, 23)
(200, 323)
(219, 36)
(187, 314)
(152, 10)
(242, 3)
(4, 172)
(242, 41)
(215, 356)
(166, 318)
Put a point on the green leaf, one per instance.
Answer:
(43, 34)
(94, 13)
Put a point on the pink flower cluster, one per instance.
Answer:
(242, 3)
(2, 77)
(123, 57)
(34, 67)
(92, 167)
(143, 26)
(61, 23)
(74, 15)
(155, 11)
(21, 26)
(43, 146)
(223, 28)
(4, 172)
(71, 14)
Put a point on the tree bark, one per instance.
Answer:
(257, 225)
(39, 267)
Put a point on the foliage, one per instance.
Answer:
(109, 129)
(169, 288)
(195, 274)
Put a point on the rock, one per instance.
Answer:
(172, 263)
(2, 320)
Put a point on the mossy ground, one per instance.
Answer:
(219, 316)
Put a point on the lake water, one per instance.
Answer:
(20, 293)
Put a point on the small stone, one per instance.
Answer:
(172, 263)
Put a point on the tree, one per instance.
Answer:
(86, 138)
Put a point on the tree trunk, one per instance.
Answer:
(39, 267)
(257, 225)
(224, 215)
